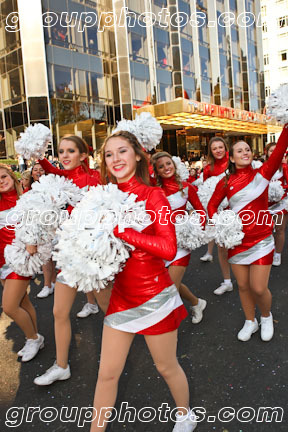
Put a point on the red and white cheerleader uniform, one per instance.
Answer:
(220, 166)
(178, 201)
(144, 299)
(247, 193)
(7, 233)
(280, 206)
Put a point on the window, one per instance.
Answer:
(97, 86)
(283, 75)
(59, 35)
(63, 82)
(162, 47)
(267, 91)
(284, 55)
(283, 21)
(266, 59)
(92, 40)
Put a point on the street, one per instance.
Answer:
(222, 371)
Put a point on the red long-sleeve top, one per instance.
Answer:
(144, 275)
(78, 175)
(178, 199)
(220, 165)
(247, 193)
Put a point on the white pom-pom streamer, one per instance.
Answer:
(256, 164)
(227, 230)
(24, 264)
(146, 129)
(206, 190)
(181, 169)
(40, 211)
(198, 181)
(277, 104)
(275, 191)
(189, 232)
(100, 255)
(33, 143)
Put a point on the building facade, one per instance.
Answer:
(275, 45)
(80, 66)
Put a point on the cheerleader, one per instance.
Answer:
(49, 268)
(16, 303)
(36, 172)
(218, 162)
(144, 299)
(90, 307)
(247, 192)
(73, 152)
(279, 209)
(26, 180)
(178, 193)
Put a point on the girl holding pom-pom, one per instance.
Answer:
(49, 268)
(247, 192)
(279, 209)
(218, 163)
(144, 299)
(178, 193)
(15, 301)
(73, 152)
(80, 174)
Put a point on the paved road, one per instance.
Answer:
(222, 371)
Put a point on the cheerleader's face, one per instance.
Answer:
(69, 155)
(121, 159)
(270, 151)
(6, 182)
(165, 167)
(242, 155)
(37, 172)
(218, 149)
(204, 163)
(25, 183)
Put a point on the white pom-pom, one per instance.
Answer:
(41, 211)
(181, 168)
(146, 129)
(198, 181)
(58, 190)
(189, 232)
(277, 104)
(24, 264)
(206, 190)
(227, 229)
(33, 143)
(275, 191)
(100, 255)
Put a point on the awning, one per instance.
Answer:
(184, 113)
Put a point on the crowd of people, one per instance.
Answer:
(146, 297)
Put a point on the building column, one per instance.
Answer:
(123, 61)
